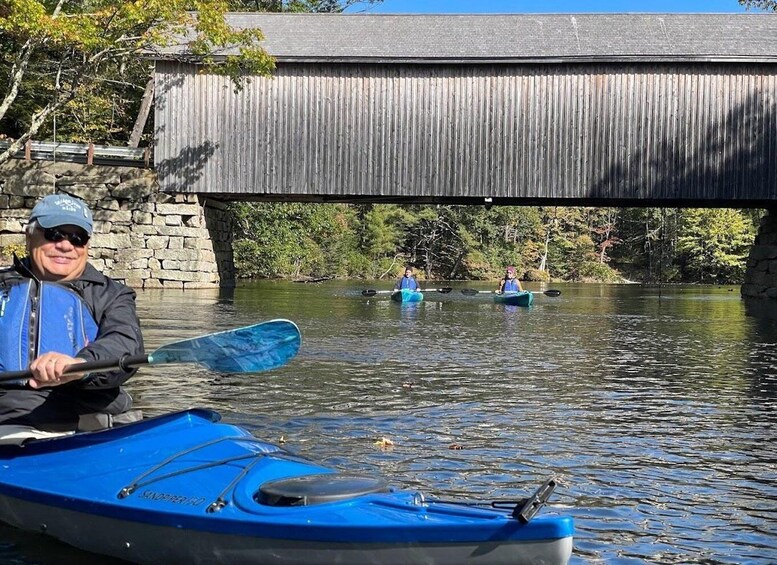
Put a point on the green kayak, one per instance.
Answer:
(522, 298)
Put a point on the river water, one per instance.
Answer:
(655, 408)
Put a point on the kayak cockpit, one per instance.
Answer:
(307, 490)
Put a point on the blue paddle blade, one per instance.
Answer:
(250, 349)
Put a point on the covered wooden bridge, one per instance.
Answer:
(608, 109)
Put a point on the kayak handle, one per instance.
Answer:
(526, 509)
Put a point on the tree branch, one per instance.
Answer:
(145, 108)
(20, 66)
(17, 73)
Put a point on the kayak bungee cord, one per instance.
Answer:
(139, 482)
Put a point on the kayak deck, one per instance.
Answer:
(151, 488)
(521, 298)
(407, 295)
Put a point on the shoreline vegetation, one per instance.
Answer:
(306, 242)
(309, 243)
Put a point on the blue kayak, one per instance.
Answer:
(185, 488)
(407, 295)
(522, 298)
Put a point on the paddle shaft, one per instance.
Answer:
(250, 349)
(472, 291)
(371, 292)
(125, 363)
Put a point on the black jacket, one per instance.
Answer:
(112, 305)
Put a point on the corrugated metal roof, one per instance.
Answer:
(511, 37)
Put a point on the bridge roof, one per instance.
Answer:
(517, 38)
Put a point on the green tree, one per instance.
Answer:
(471, 242)
(765, 5)
(55, 53)
(714, 243)
(647, 241)
(332, 6)
(562, 226)
(380, 236)
(494, 238)
(287, 239)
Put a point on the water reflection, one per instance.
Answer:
(408, 314)
(655, 407)
(764, 310)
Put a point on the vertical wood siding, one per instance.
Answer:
(628, 132)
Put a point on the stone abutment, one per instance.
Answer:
(143, 237)
(761, 274)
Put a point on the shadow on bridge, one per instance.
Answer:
(735, 160)
(178, 173)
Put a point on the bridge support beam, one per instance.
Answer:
(761, 274)
(143, 237)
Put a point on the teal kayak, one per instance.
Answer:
(522, 298)
(407, 295)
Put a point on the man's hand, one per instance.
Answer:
(49, 369)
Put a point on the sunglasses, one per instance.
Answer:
(56, 235)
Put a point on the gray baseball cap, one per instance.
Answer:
(60, 209)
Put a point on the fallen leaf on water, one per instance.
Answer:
(384, 443)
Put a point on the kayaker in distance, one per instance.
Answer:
(407, 281)
(509, 283)
(57, 310)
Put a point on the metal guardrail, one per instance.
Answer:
(83, 153)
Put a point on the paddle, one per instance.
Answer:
(243, 350)
(371, 292)
(472, 292)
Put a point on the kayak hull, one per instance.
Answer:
(184, 488)
(407, 295)
(522, 298)
(137, 542)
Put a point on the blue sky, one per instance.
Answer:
(540, 6)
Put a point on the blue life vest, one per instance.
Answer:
(511, 285)
(409, 283)
(54, 318)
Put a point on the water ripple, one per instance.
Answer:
(656, 413)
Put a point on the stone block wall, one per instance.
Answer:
(761, 274)
(142, 237)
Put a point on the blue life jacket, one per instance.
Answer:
(408, 282)
(38, 317)
(511, 285)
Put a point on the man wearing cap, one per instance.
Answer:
(57, 310)
(509, 283)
